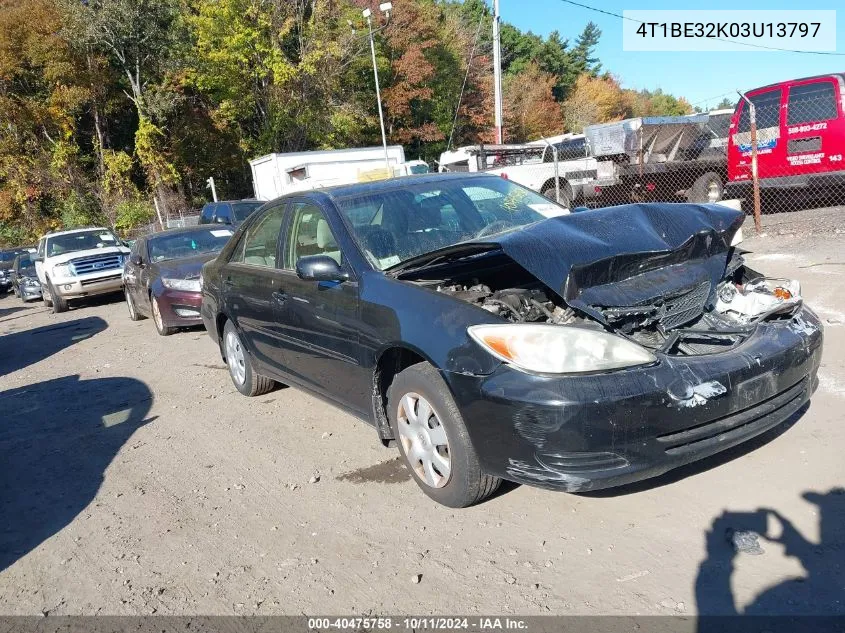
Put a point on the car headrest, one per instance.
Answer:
(325, 239)
(427, 215)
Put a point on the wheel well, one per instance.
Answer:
(564, 186)
(220, 324)
(390, 363)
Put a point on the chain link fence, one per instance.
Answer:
(171, 221)
(782, 149)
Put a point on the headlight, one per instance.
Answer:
(62, 270)
(558, 349)
(188, 285)
(29, 281)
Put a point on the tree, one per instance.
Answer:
(594, 100)
(530, 109)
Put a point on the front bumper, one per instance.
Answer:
(29, 293)
(89, 285)
(579, 433)
(180, 308)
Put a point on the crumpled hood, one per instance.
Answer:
(184, 268)
(629, 255)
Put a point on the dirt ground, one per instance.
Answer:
(134, 479)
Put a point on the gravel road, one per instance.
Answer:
(134, 479)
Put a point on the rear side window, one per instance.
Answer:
(259, 245)
(767, 105)
(811, 102)
(207, 214)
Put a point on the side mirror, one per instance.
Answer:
(136, 260)
(36, 258)
(320, 268)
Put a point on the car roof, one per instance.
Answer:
(82, 230)
(188, 229)
(789, 82)
(235, 201)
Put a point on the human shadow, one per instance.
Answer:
(27, 347)
(821, 592)
(57, 438)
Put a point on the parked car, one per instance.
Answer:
(573, 352)
(228, 212)
(77, 264)
(24, 278)
(800, 137)
(161, 278)
(7, 258)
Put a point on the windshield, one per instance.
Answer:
(395, 225)
(188, 244)
(242, 210)
(25, 264)
(7, 257)
(82, 241)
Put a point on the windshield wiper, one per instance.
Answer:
(454, 252)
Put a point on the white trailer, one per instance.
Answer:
(275, 175)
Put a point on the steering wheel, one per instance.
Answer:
(490, 229)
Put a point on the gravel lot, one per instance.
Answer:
(134, 479)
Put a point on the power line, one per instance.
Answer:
(466, 76)
(721, 39)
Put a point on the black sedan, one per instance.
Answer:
(492, 336)
(161, 279)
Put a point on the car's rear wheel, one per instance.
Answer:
(130, 304)
(433, 439)
(708, 188)
(240, 366)
(161, 328)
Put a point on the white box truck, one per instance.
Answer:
(275, 175)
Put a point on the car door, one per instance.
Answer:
(131, 271)
(251, 284)
(319, 321)
(815, 126)
(771, 150)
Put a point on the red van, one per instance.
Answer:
(800, 136)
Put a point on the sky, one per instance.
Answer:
(704, 78)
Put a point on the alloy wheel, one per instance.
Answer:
(424, 440)
(235, 357)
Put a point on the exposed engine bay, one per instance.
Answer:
(694, 319)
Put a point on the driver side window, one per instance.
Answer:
(258, 247)
(310, 235)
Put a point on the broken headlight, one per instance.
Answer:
(557, 349)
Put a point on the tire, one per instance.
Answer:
(130, 304)
(161, 328)
(58, 302)
(464, 484)
(17, 292)
(565, 193)
(240, 366)
(708, 188)
(46, 297)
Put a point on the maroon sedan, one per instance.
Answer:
(162, 277)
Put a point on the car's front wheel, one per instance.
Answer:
(53, 299)
(158, 319)
(240, 366)
(433, 439)
(130, 304)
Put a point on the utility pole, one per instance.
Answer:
(210, 182)
(385, 8)
(497, 72)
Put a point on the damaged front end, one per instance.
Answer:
(726, 352)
